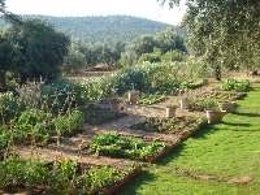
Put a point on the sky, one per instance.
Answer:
(149, 9)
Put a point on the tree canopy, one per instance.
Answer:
(31, 50)
(227, 33)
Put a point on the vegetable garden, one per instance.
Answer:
(88, 138)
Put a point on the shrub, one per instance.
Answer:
(9, 107)
(4, 139)
(61, 96)
(150, 57)
(172, 56)
(33, 125)
(98, 88)
(236, 85)
(69, 123)
(16, 172)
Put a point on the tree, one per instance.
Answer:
(38, 50)
(168, 40)
(6, 56)
(143, 44)
(75, 60)
(226, 33)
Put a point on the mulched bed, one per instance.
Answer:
(168, 125)
(96, 115)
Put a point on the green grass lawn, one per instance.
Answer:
(226, 151)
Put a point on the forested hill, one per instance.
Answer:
(99, 28)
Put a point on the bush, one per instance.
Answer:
(150, 57)
(236, 85)
(4, 139)
(33, 125)
(61, 96)
(9, 107)
(172, 56)
(98, 88)
(16, 172)
(69, 123)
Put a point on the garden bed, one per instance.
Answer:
(96, 115)
(121, 146)
(167, 126)
(62, 177)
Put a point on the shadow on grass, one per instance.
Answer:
(236, 124)
(136, 183)
(248, 114)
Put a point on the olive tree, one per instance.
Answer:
(226, 32)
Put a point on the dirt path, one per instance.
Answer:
(46, 154)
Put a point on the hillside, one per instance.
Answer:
(99, 28)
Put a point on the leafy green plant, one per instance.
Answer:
(33, 125)
(9, 107)
(97, 178)
(149, 99)
(69, 123)
(236, 85)
(4, 140)
(60, 177)
(62, 96)
(17, 172)
(116, 145)
(203, 103)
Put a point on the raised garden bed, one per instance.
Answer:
(96, 115)
(167, 126)
(121, 146)
(62, 177)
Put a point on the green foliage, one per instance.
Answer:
(69, 123)
(98, 88)
(151, 48)
(60, 177)
(172, 56)
(4, 139)
(75, 60)
(224, 32)
(33, 125)
(9, 107)
(236, 85)
(131, 78)
(33, 50)
(115, 145)
(61, 96)
(97, 178)
(43, 47)
(149, 99)
(16, 172)
(150, 57)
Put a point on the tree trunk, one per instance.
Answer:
(218, 74)
(2, 81)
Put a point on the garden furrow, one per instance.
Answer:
(49, 155)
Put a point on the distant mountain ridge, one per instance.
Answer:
(103, 28)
